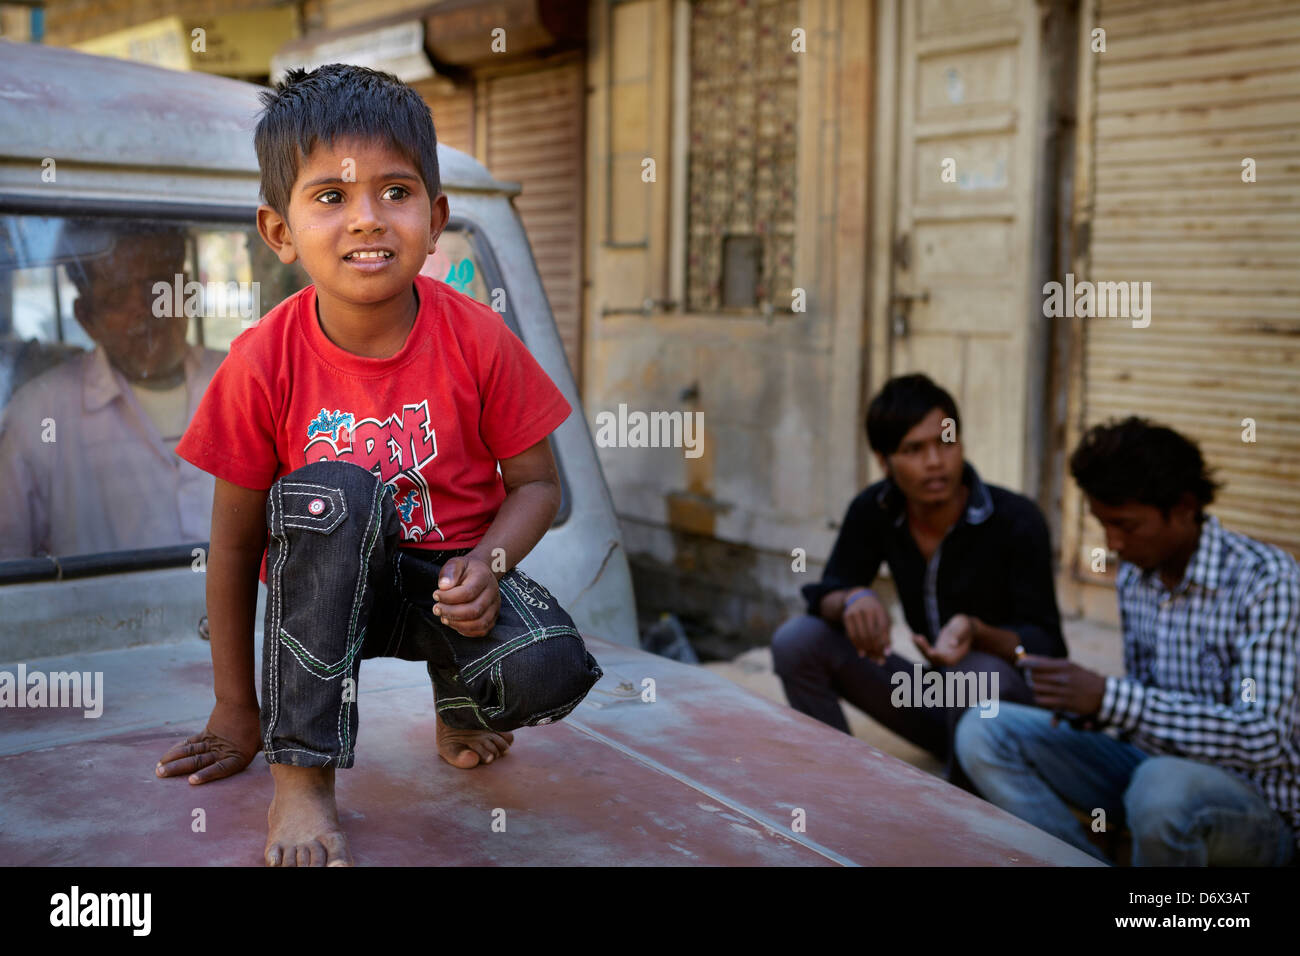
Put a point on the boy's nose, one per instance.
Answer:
(365, 216)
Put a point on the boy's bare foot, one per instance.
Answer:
(303, 822)
(469, 748)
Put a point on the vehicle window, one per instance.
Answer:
(464, 260)
(110, 328)
(456, 263)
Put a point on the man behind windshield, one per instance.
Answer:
(87, 448)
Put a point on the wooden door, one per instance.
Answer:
(963, 308)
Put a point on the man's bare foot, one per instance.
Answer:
(469, 748)
(303, 822)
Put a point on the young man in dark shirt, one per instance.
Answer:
(972, 564)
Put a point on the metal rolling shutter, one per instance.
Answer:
(535, 137)
(453, 115)
(1183, 93)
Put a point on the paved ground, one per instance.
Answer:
(1093, 645)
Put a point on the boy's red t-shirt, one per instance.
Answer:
(433, 420)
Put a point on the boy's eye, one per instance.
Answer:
(402, 192)
(329, 192)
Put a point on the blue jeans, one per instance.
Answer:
(1180, 812)
(340, 589)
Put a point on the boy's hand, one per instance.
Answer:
(468, 598)
(226, 746)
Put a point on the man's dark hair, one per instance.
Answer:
(900, 405)
(86, 243)
(338, 101)
(1135, 460)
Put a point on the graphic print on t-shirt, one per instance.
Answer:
(395, 449)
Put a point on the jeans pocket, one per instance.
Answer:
(312, 507)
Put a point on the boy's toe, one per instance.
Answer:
(466, 757)
(336, 850)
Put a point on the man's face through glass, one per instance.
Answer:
(115, 305)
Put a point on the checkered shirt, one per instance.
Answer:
(1211, 667)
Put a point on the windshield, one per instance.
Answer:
(110, 329)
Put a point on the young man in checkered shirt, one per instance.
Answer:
(1197, 747)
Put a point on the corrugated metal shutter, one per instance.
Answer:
(453, 114)
(534, 134)
(1184, 92)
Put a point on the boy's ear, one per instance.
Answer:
(883, 462)
(440, 212)
(274, 231)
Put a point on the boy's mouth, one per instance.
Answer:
(363, 255)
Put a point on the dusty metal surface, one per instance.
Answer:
(706, 774)
(95, 110)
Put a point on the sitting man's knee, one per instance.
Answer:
(973, 737)
(1158, 796)
(795, 640)
(980, 737)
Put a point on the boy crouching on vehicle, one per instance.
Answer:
(354, 434)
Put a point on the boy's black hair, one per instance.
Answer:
(1136, 460)
(338, 101)
(900, 404)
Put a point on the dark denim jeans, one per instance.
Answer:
(818, 665)
(340, 589)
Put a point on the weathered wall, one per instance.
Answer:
(72, 21)
(781, 395)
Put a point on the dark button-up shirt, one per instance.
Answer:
(995, 563)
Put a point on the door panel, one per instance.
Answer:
(961, 269)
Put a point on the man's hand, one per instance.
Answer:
(866, 622)
(226, 746)
(1063, 685)
(952, 644)
(468, 597)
